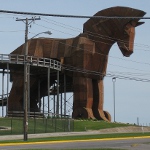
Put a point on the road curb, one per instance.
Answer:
(67, 141)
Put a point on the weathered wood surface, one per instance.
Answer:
(88, 51)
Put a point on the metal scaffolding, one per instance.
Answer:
(11, 63)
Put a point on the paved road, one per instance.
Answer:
(129, 144)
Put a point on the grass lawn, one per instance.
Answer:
(83, 125)
(53, 125)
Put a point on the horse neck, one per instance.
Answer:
(102, 43)
(103, 47)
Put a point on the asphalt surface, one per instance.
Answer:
(141, 143)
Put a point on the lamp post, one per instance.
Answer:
(26, 81)
(114, 80)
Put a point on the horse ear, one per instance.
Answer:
(139, 23)
(134, 23)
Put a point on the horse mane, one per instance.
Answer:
(110, 26)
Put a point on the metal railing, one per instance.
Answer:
(31, 60)
(3, 99)
(4, 95)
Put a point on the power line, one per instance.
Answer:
(50, 21)
(54, 29)
(75, 29)
(69, 16)
(119, 58)
(90, 33)
(13, 31)
(81, 70)
(100, 36)
(144, 63)
(79, 30)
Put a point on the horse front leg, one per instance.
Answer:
(98, 101)
(83, 98)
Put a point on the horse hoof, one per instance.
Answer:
(80, 113)
(107, 115)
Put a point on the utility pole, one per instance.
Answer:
(114, 80)
(26, 75)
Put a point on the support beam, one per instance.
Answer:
(64, 94)
(28, 103)
(43, 106)
(7, 88)
(3, 94)
(54, 102)
(57, 105)
(61, 102)
(39, 94)
(48, 89)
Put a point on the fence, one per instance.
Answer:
(14, 125)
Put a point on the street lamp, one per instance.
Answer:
(46, 32)
(114, 80)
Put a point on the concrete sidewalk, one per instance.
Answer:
(129, 129)
(42, 135)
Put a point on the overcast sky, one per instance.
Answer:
(132, 97)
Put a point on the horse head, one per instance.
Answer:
(107, 31)
(126, 39)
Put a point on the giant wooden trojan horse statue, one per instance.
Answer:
(88, 55)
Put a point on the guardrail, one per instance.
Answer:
(4, 95)
(31, 60)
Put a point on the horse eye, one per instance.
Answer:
(125, 32)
